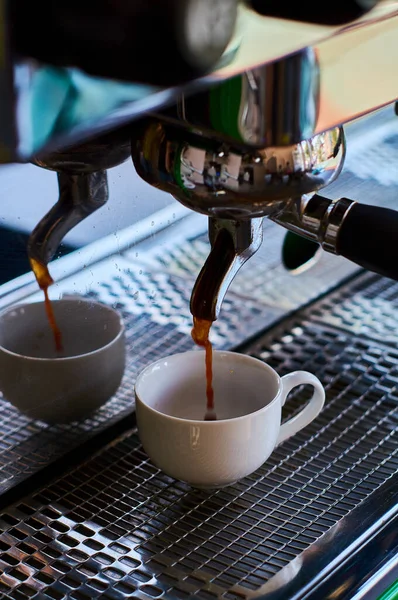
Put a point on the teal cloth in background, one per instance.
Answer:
(63, 99)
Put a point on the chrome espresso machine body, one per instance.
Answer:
(244, 112)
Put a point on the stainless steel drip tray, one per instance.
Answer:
(151, 285)
(115, 527)
(153, 298)
(155, 308)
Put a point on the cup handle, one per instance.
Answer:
(309, 412)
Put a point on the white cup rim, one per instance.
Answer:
(60, 359)
(218, 422)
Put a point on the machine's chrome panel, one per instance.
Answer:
(53, 107)
(216, 179)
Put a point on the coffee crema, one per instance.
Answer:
(44, 280)
(200, 335)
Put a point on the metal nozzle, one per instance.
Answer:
(233, 243)
(83, 188)
(79, 196)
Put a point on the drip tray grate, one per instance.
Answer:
(367, 307)
(155, 308)
(265, 279)
(115, 527)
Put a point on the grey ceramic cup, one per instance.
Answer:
(68, 386)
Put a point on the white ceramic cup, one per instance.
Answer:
(248, 397)
(58, 388)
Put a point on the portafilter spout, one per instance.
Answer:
(235, 187)
(83, 189)
(232, 244)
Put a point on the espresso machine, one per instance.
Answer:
(258, 144)
(243, 112)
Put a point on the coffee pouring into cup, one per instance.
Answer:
(249, 396)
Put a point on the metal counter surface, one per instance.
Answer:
(318, 520)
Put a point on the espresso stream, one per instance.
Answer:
(44, 280)
(200, 335)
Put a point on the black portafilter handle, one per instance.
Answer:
(368, 236)
(338, 12)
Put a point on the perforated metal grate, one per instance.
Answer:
(116, 527)
(155, 308)
(263, 277)
(372, 159)
(165, 299)
(367, 307)
(27, 446)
